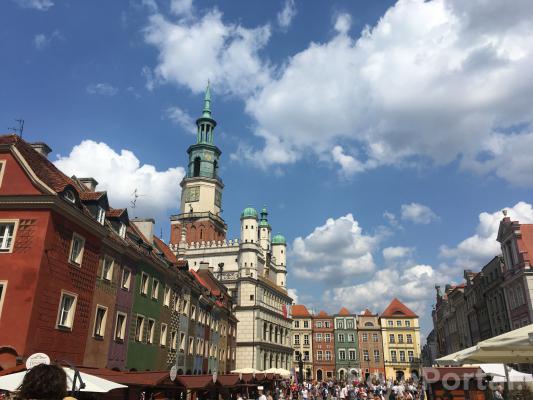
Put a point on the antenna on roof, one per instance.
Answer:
(20, 127)
(135, 195)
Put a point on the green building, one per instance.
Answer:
(347, 364)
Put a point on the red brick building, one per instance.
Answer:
(323, 346)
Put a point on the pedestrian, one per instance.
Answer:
(44, 382)
(261, 396)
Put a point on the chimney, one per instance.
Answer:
(146, 226)
(89, 183)
(205, 265)
(41, 148)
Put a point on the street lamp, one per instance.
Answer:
(300, 369)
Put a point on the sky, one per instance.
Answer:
(385, 138)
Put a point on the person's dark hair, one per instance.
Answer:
(44, 382)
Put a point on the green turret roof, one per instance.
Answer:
(207, 102)
(264, 220)
(279, 239)
(249, 212)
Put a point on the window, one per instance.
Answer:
(184, 307)
(411, 355)
(328, 355)
(166, 298)
(139, 328)
(191, 345)
(365, 337)
(351, 354)
(144, 284)
(319, 324)
(76, 249)
(182, 342)
(342, 355)
(340, 325)
(306, 355)
(151, 331)
(391, 338)
(390, 323)
(400, 338)
(2, 169)
(375, 337)
(69, 195)
(3, 288)
(296, 324)
(120, 326)
(7, 235)
(155, 289)
(366, 357)
(193, 313)
(409, 338)
(100, 217)
(327, 338)
(122, 230)
(163, 335)
(393, 356)
(306, 340)
(341, 337)
(306, 324)
(319, 355)
(376, 355)
(407, 323)
(398, 323)
(125, 281)
(351, 337)
(173, 340)
(107, 268)
(99, 321)
(349, 324)
(297, 339)
(327, 324)
(67, 308)
(318, 337)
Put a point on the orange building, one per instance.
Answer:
(323, 346)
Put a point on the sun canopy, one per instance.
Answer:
(498, 373)
(512, 347)
(92, 383)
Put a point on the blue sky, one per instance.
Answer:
(385, 138)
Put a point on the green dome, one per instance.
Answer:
(249, 212)
(264, 224)
(279, 239)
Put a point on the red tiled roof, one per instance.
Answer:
(199, 278)
(397, 309)
(88, 196)
(182, 263)
(344, 311)
(115, 212)
(368, 313)
(322, 313)
(299, 310)
(165, 250)
(43, 168)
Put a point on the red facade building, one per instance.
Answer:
(323, 346)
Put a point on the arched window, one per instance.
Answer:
(196, 169)
(215, 169)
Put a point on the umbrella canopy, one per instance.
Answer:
(278, 371)
(498, 373)
(512, 347)
(245, 371)
(92, 383)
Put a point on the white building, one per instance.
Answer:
(252, 267)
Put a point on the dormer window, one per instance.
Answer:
(69, 195)
(122, 230)
(100, 217)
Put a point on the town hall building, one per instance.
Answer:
(253, 267)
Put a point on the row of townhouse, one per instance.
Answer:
(346, 346)
(492, 301)
(84, 283)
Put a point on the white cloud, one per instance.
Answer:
(418, 213)
(334, 251)
(181, 7)
(396, 252)
(102, 88)
(348, 163)
(287, 14)
(41, 5)
(41, 41)
(477, 250)
(121, 173)
(191, 52)
(430, 82)
(293, 293)
(148, 75)
(182, 118)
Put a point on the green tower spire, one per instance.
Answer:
(207, 102)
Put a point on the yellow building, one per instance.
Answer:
(401, 341)
(302, 343)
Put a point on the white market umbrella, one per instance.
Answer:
(497, 371)
(92, 383)
(245, 371)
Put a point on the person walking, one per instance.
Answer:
(44, 382)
